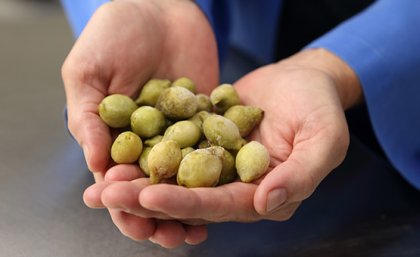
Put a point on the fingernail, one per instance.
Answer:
(275, 198)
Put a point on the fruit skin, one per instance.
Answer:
(184, 132)
(204, 103)
(245, 118)
(186, 151)
(153, 141)
(116, 109)
(143, 160)
(163, 160)
(201, 168)
(199, 118)
(222, 132)
(147, 121)
(252, 161)
(126, 148)
(228, 173)
(177, 103)
(174, 121)
(223, 97)
(151, 91)
(185, 83)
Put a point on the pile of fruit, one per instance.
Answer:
(171, 131)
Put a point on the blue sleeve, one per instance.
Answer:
(381, 44)
(247, 25)
(218, 14)
(79, 12)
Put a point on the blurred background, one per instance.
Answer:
(43, 174)
(34, 40)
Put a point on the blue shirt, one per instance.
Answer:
(380, 44)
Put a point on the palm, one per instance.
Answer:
(304, 128)
(295, 109)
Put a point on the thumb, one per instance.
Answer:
(288, 182)
(86, 126)
(296, 178)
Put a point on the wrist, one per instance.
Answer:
(345, 79)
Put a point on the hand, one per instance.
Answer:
(125, 44)
(304, 129)
(121, 201)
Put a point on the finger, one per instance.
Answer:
(169, 234)
(123, 172)
(195, 234)
(295, 179)
(92, 195)
(132, 226)
(124, 195)
(84, 122)
(232, 201)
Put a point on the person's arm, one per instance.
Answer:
(381, 45)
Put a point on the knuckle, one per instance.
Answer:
(78, 70)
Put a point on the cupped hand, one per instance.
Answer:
(304, 130)
(121, 199)
(125, 43)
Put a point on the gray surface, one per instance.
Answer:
(42, 173)
(363, 209)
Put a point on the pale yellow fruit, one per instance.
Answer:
(246, 118)
(201, 168)
(115, 110)
(222, 132)
(186, 151)
(126, 148)
(143, 160)
(147, 122)
(199, 118)
(252, 161)
(185, 83)
(177, 103)
(204, 103)
(153, 141)
(184, 132)
(223, 97)
(228, 173)
(163, 160)
(151, 91)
